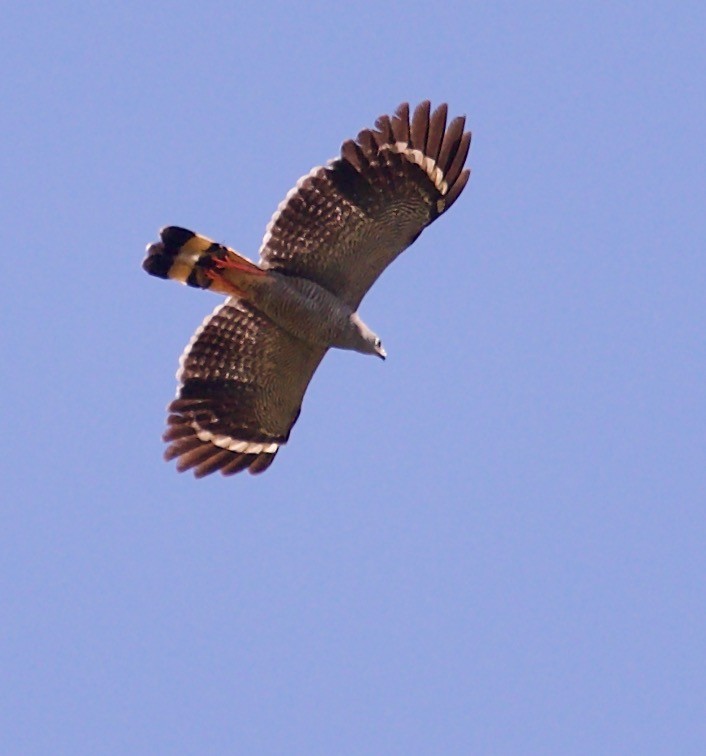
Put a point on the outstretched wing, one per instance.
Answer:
(345, 222)
(241, 384)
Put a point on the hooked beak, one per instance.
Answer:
(381, 353)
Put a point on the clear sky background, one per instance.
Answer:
(492, 543)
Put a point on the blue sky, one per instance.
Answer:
(491, 543)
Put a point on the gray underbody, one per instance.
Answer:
(312, 314)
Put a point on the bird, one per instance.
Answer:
(243, 375)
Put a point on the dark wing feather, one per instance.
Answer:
(241, 384)
(345, 222)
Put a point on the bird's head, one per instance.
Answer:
(378, 348)
(367, 342)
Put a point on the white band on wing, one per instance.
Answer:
(232, 444)
(423, 161)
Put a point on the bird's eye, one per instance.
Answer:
(378, 343)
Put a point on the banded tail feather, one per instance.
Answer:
(196, 261)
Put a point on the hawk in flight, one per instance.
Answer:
(243, 375)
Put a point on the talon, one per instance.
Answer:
(233, 263)
(222, 285)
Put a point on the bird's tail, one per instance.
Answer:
(197, 261)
